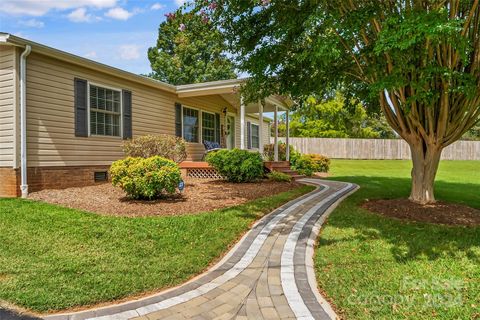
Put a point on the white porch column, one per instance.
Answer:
(242, 124)
(287, 135)
(260, 127)
(275, 121)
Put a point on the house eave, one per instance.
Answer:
(6, 38)
(222, 87)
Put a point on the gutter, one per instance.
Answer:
(23, 120)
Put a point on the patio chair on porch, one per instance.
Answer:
(210, 146)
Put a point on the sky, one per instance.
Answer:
(115, 32)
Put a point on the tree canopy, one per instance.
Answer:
(418, 61)
(189, 49)
(333, 117)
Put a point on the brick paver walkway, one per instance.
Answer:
(267, 275)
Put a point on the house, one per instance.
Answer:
(63, 117)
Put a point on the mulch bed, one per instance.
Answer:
(439, 213)
(199, 195)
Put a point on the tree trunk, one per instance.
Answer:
(425, 159)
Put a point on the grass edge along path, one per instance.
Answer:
(54, 258)
(373, 267)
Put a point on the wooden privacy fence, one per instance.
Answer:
(378, 148)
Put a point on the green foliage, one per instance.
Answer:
(364, 47)
(149, 178)
(189, 49)
(322, 163)
(473, 133)
(304, 165)
(269, 151)
(237, 165)
(308, 164)
(334, 118)
(279, 176)
(164, 145)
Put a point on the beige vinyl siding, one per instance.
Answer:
(8, 101)
(50, 118)
(265, 129)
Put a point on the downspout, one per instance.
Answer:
(23, 120)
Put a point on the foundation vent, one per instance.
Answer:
(100, 176)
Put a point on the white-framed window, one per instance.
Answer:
(255, 134)
(105, 111)
(208, 126)
(190, 124)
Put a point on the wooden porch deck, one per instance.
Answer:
(201, 169)
(194, 165)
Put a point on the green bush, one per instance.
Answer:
(304, 165)
(149, 178)
(163, 145)
(237, 165)
(269, 152)
(279, 176)
(322, 163)
(307, 164)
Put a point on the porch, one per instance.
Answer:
(248, 135)
(202, 170)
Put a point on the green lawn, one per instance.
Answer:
(54, 258)
(373, 267)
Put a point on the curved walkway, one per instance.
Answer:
(267, 275)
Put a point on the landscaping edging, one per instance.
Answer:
(295, 279)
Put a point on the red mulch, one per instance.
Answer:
(199, 195)
(439, 213)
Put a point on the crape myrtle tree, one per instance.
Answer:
(189, 49)
(418, 61)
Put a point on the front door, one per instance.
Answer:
(230, 132)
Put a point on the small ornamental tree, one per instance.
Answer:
(417, 61)
(189, 49)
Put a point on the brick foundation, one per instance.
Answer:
(9, 182)
(40, 178)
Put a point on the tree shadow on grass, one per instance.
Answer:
(407, 240)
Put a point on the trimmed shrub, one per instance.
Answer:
(269, 152)
(307, 164)
(164, 145)
(279, 176)
(237, 165)
(149, 178)
(304, 165)
(322, 163)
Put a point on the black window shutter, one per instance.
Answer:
(249, 135)
(80, 105)
(178, 119)
(127, 114)
(217, 127)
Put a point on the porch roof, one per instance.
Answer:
(229, 90)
